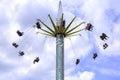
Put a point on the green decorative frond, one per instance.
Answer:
(61, 29)
(69, 24)
(52, 23)
(75, 27)
(47, 26)
(47, 32)
(73, 33)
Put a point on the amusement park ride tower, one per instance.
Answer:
(60, 32)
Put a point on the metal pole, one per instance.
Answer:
(60, 57)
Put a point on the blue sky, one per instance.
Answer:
(22, 14)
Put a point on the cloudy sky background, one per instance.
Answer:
(22, 14)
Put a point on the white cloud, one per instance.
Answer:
(87, 75)
(81, 76)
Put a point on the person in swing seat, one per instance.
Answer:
(36, 60)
